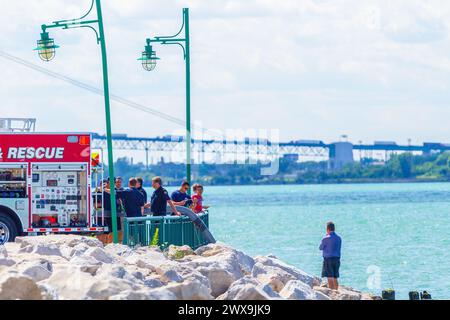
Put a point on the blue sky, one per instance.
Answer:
(374, 70)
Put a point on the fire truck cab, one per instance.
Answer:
(45, 185)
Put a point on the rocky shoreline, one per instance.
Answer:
(75, 267)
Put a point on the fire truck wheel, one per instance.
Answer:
(8, 229)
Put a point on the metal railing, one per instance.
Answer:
(169, 230)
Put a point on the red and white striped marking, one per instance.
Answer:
(62, 230)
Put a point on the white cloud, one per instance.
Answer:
(314, 69)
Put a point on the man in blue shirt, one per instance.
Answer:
(331, 249)
(132, 199)
(181, 197)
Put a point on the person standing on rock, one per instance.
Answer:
(331, 249)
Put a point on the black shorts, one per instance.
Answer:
(330, 268)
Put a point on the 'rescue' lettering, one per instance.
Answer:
(36, 153)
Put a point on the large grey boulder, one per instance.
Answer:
(321, 296)
(297, 290)
(47, 250)
(131, 295)
(220, 250)
(344, 293)
(58, 240)
(157, 294)
(70, 282)
(48, 292)
(270, 265)
(190, 290)
(273, 276)
(7, 262)
(99, 254)
(74, 284)
(15, 286)
(170, 275)
(179, 252)
(161, 294)
(37, 270)
(149, 259)
(117, 271)
(153, 282)
(77, 250)
(103, 288)
(219, 279)
(86, 264)
(3, 252)
(222, 265)
(186, 271)
(116, 249)
(11, 248)
(248, 288)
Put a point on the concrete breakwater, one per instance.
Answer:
(75, 267)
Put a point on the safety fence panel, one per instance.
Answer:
(164, 231)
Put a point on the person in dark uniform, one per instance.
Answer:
(140, 188)
(107, 212)
(160, 199)
(120, 209)
(118, 183)
(132, 199)
(181, 197)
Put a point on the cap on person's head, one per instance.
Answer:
(330, 226)
(140, 180)
(157, 180)
(185, 183)
(132, 182)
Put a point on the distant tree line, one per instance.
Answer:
(402, 167)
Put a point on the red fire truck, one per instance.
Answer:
(45, 185)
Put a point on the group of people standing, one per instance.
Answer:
(182, 198)
(133, 201)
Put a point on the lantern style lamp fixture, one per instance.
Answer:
(149, 57)
(46, 47)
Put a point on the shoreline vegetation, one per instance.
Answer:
(401, 168)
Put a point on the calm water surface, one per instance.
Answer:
(393, 234)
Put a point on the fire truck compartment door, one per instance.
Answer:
(60, 190)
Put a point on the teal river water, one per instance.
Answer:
(393, 234)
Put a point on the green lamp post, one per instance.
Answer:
(149, 60)
(46, 49)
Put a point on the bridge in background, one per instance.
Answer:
(337, 153)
